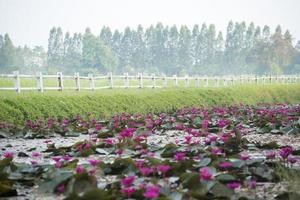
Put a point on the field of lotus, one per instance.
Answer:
(233, 152)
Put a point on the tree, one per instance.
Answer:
(159, 49)
(55, 49)
(96, 56)
(116, 44)
(184, 50)
(194, 53)
(139, 49)
(8, 55)
(73, 53)
(250, 37)
(287, 37)
(106, 36)
(172, 61)
(266, 33)
(126, 48)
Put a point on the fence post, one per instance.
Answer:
(77, 81)
(197, 81)
(126, 80)
(60, 81)
(140, 77)
(91, 82)
(153, 81)
(110, 80)
(186, 81)
(17, 81)
(165, 82)
(206, 81)
(175, 80)
(216, 81)
(40, 85)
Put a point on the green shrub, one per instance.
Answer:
(15, 108)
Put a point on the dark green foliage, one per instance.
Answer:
(19, 108)
(244, 49)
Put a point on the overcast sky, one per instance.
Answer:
(29, 21)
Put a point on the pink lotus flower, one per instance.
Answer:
(119, 151)
(8, 154)
(139, 163)
(251, 184)
(143, 151)
(79, 169)
(87, 146)
(128, 191)
(98, 127)
(225, 165)
(205, 174)
(207, 141)
(270, 154)
(138, 147)
(127, 133)
(233, 185)
(292, 159)
(109, 141)
(33, 162)
(204, 124)
(127, 181)
(60, 189)
(213, 137)
(94, 162)
(56, 158)
(50, 123)
(146, 171)
(64, 122)
(221, 123)
(244, 156)
(163, 168)
(36, 154)
(151, 192)
(92, 171)
(285, 152)
(216, 151)
(224, 138)
(188, 139)
(66, 157)
(58, 165)
(179, 156)
(151, 154)
(179, 127)
(196, 142)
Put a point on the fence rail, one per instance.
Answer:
(109, 80)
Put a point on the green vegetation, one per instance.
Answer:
(245, 48)
(16, 108)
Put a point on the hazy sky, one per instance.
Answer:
(29, 21)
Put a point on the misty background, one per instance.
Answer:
(169, 37)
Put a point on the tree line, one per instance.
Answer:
(159, 49)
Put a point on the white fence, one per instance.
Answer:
(199, 81)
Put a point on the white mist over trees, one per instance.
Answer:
(159, 49)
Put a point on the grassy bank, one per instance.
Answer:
(15, 108)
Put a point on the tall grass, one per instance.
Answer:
(15, 108)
